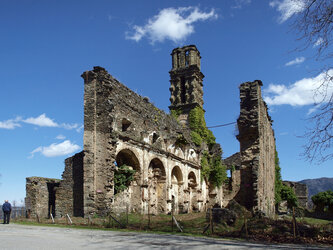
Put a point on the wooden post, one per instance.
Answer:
(37, 216)
(126, 215)
(148, 206)
(172, 207)
(110, 220)
(245, 225)
(211, 220)
(50, 211)
(294, 223)
(69, 219)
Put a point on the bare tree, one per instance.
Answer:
(314, 27)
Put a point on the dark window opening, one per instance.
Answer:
(155, 137)
(187, 58)
(183, 90)
(51, 190)
(125, 124)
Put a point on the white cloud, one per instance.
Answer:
(303, 92)
(318, 42)
(61, 137)
(297, 60)
(60, 149)
(11, 123)
(42, 121)
(240, 3)
(69, 126)
(288, 8)
(170, 23)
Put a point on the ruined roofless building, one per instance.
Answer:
(122, 128)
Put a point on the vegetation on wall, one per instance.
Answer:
(175, 113)
(212, 169)
(323, 201)
(122, 178)
(200, 133)
(278, 179)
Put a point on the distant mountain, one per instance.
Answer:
(318, 185)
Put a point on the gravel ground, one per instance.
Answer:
(14, 236)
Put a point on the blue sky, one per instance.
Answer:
(46, 45)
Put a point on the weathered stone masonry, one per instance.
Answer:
(123, 128)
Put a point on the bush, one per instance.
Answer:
(323, 200)
(122, 178)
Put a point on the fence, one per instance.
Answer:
(17, 212)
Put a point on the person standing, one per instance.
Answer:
(7, 209)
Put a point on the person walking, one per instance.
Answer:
(7, 209)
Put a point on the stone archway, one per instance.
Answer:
(192, 185)
(131, 196)
(177, 189)
(157, 187)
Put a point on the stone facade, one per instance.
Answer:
(123, 128)
(69, 194)
(40, 199)
(301, 192)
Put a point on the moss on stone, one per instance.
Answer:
(197, 124)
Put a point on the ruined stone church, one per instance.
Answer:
(164, 151)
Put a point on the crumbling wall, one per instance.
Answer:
(257, 148)
(301, 192)
(69, 194)
(118, 119)
(232, 186)
(40, 196)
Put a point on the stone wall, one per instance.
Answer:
(301, 192)
(40, 196)
(257, 148)
(121, 127)
(69, 194)
(232, 187)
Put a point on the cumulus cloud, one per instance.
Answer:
(56, 149)
(297, 60)
(303, 92)
(11, 123)
(42, 121)
(288, 8)
(171, 23)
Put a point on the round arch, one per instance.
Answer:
(127, 157)
(192, 179)
(176, 175)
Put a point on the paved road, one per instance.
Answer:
(33, 237)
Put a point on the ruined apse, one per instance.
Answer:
(123, 128)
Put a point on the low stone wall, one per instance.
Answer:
(69, 195)
(40, 196)
(301, 191)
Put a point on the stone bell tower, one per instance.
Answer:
(186, 81)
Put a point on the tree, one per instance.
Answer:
(314, 27)
(278, 180)
(288, 194)
(323, 200)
